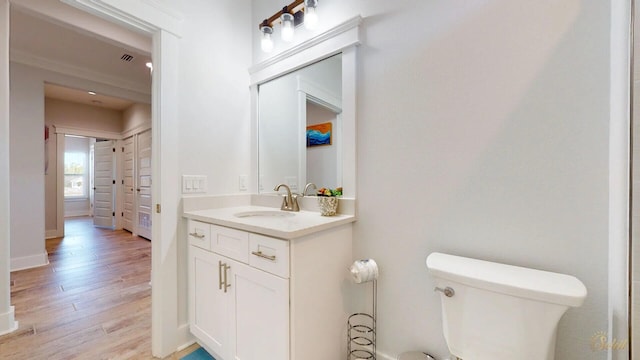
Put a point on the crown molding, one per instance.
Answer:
(29, 59)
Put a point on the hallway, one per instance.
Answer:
(92, 301)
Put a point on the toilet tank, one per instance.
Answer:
(501, 311)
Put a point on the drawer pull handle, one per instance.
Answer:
(260, 254)
(226, 282)
(222, 268)
(196, 235)
(220, 265)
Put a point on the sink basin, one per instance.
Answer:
(264, 213)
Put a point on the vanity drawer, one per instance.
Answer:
(269, 254)
(230, 243)
(199, 234)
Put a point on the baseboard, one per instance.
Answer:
(79, 213)
(7, 322)
(185, 339)
(28, 262)
(52, 234)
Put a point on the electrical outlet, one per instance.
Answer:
(242, 182)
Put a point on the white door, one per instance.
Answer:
(104, 183)
(128, 185)
(261, 314)
(209, 308)
(144, 185)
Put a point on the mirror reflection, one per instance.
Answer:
(299, 128)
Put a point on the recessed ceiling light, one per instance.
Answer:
(91, 92)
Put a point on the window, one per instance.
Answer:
(76, 183)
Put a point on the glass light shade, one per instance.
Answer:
(287, 27)
(310, 18)
(266, 43)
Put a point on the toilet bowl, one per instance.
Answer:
(496, 311)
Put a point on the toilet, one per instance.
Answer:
(495, 311)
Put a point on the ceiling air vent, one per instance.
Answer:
(126, 57)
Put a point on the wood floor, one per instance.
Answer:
(93, 301)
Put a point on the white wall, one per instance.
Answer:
(214, 107)
(136, 117)
(27, 165)
(482, 131)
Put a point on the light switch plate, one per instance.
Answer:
(194, 184)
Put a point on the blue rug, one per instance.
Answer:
(200, 354)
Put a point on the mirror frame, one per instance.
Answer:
(344, 39)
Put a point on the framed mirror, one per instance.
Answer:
(304, 111)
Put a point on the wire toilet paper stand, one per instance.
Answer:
(361, 328)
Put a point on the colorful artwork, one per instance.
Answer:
(319, 134)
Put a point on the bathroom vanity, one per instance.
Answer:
(265, 283)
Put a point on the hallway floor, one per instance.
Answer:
(93, 301)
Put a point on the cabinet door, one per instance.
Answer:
(261, 314)
(209, 306)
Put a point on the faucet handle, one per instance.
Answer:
(306, 188)
(294, 202)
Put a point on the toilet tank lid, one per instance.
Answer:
(508, 279)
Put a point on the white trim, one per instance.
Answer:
(52, 234)
(136, 130)
(7, 321)
(185, 339)
(25, 58)
(99, 134)
(28, 262)
(143, 15)
(70, 214)
(60, 145)
(619, 175)
(341, 36)
(320, 96)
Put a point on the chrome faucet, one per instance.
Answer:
(307, 187)
(289, 201)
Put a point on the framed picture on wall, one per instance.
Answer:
(319, 134)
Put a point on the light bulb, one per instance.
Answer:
(310, 18)
(266, 43)
(287, 27)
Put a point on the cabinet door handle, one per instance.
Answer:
(195, 234)
(226, 282)
(220, 274)
(260, 254)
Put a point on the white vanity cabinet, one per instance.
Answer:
(255, 297)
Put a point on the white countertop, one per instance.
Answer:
(290, 227)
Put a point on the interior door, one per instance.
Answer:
(144, 185)
(128, 185)
(104, 184)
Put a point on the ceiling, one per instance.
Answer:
(33, 36)
(84, 97)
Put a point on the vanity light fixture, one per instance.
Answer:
(310, 15)
(292, 15)
(287, 25)
(266, 43)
